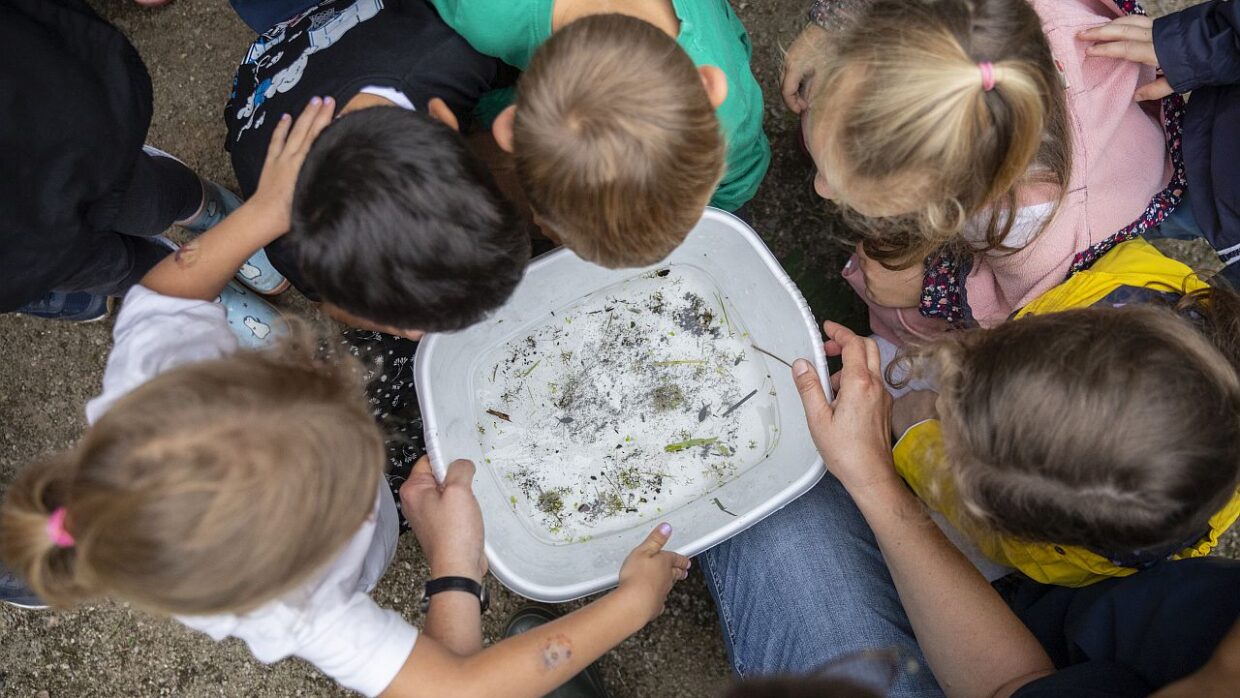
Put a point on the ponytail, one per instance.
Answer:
(212, 488)
(954, 105)
(26, 546)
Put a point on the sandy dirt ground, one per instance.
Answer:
(49, 371)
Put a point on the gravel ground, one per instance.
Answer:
(101, 650)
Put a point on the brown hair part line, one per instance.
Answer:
(214, 487)
(1110, 428)
(917, 113)
(616, 142)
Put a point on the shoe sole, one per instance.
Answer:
(109, 309)
(27, 607)
(281, 288)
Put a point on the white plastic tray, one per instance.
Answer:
(771, 308)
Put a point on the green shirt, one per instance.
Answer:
(710, 33)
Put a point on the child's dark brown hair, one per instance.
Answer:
(212, 488)
(1111, 428)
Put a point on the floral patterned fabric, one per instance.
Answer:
(388, 365)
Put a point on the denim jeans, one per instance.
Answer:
(809, 585)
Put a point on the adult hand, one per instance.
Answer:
(446, 519)
(899, 288)
(799, 66)
(853, 434)
(649, 572)
(287, 151)
(1131, 39)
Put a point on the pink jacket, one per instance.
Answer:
(1119, 162)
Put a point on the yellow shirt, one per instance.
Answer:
(919, 454)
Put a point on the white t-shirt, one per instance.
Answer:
(330, 621)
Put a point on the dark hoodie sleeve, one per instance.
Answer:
(1200, 46)
(75, 101)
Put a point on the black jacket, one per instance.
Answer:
(1199, 51)
(75, 101)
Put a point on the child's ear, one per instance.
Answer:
(502, 129)
(438, 110)
(716, 83)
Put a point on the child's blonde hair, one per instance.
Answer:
(1110, 428)
(903, 79)
(214, 487)
(616, 143)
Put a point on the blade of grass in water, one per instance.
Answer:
(681, 362)
(682, 445)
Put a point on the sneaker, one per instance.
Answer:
(255, 322)
(587, 684)
(73, 306)
(15, 593)
(258, 273)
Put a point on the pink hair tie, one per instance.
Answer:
(56, 529)
(988, 75)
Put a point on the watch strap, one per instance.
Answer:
(464, 584)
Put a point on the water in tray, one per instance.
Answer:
(624, 406)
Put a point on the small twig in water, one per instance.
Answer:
(501, 415)
(743, 401)
(755, 346)
(690, 443)
(529, 370)
(681, 362)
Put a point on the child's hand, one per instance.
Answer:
(289, 144)
(799, 67)
(900, 288)
(1129, 38)
(446, 519)
(853, 434)
(649, 572)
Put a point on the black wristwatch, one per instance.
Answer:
(464, 584)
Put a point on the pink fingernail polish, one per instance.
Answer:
(665, 529)
(800, 367)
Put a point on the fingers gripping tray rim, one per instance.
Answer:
(725, 481)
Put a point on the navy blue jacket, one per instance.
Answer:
(1199, 51)
(75, 105)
